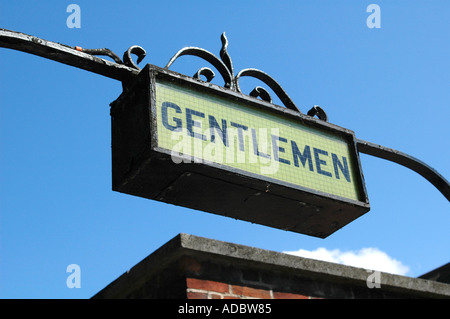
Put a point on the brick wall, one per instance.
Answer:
(209, 289)
(191, 267)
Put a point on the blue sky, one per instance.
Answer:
(390, 85)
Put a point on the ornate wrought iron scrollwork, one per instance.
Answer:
(225, 67)
(127, 61)
(138, 51)
(269, 81)
(206, 72)
(104, 51)
(208, 56)
(319, 112)
(224, 54)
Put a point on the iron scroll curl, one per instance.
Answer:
(225, 67)
(269, 81)
(208, 56)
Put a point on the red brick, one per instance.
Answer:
(208, 285)
(250, 292)
(287, 295)
(197, 295)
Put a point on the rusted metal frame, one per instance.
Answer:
(80, 58)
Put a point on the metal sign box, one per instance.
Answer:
(190, 143)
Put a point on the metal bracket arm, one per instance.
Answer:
(408, 161)
(65, 54)
(118, 70)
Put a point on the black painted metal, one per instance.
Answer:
(408, 161)
(225, 68)
(141, 167)
(66, 54)
(127, 70)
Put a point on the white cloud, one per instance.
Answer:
(367, 258)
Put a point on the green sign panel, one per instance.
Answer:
(214, 129)
(189, 143)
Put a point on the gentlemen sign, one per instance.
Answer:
(193, 144)
(248, 139)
